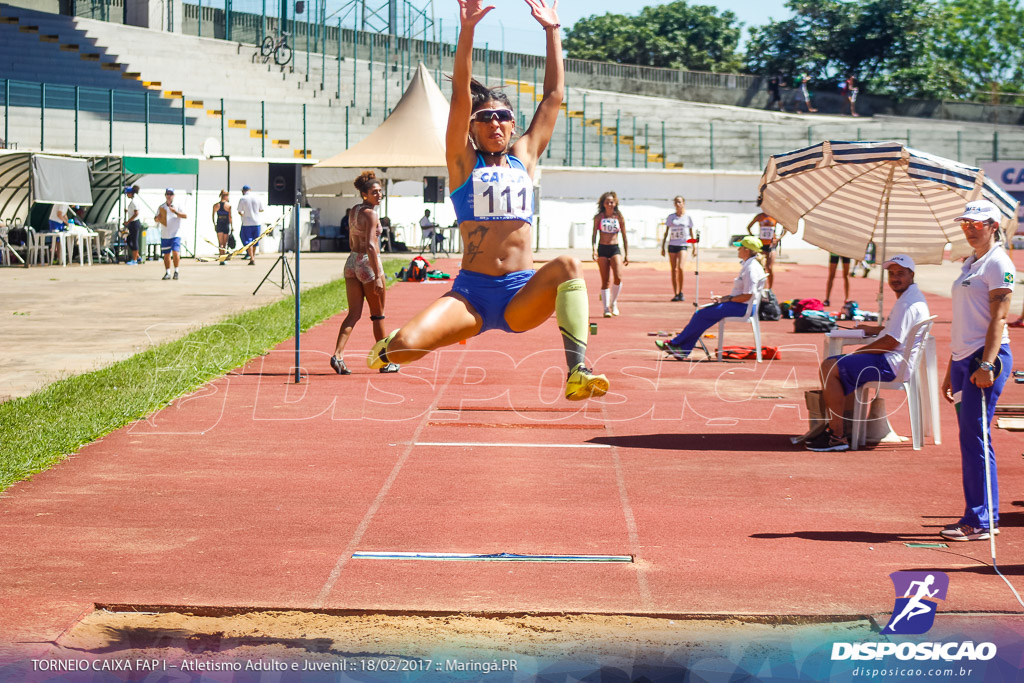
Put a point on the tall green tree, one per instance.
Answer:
(984, 39)
(675, 35)
(887, 45)
(912, 48)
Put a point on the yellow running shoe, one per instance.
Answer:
(583, 383)
(374, 360)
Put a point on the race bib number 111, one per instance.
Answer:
(502, 193)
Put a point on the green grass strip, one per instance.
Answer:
(39, 430)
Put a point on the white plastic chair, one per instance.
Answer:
(907, 379)
(749, 316)
(84, 239)
(38, 249)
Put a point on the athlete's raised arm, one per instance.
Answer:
(459, 152)
(535, 140)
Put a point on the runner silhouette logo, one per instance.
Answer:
(917, 596)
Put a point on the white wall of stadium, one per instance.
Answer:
(721, 204)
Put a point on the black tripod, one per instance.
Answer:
(287, 276)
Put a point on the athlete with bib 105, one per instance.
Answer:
(497, 287)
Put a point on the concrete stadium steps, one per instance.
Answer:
(705, 136)
(281, 142)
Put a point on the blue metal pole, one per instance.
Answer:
(183, 120)
(146, 108)
(111, 110)
(42, 116)
(77, 108)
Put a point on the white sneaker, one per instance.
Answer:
(615, 309)
(607, 313)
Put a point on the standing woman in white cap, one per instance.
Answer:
(979, 364)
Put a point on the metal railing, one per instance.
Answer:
(40, 116)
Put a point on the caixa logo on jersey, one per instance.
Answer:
(917, 597)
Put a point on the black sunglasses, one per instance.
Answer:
(488, 115)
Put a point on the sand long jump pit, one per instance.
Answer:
(152, 643)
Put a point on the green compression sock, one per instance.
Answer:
(573, 319)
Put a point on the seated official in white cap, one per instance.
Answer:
(874, 362)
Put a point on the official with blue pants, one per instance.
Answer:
(746, 284)
(980, 363)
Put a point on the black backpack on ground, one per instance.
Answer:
(769, 307)
(806, 323)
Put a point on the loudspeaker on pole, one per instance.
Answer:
(284, 182)
(433, 189)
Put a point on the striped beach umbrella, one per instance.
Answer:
(850, 194)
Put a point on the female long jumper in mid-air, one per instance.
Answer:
(497, 287)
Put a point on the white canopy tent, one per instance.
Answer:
(409, 145)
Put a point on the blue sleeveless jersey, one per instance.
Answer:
(495, 193)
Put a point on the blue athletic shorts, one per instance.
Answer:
(57, 226)
(489, 294)
(856, 369)
(248, 233)
(167, 246)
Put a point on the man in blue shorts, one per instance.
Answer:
(249, 208)
(169, 217)
(874, 362)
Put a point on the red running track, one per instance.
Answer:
(255, 491)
